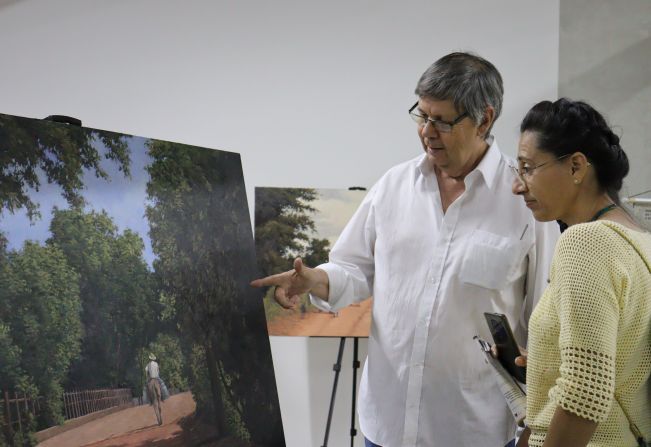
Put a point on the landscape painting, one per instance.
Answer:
(305, 222)
(126, 315)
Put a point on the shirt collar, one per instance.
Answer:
(487, 167)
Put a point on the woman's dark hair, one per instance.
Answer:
(564, 127)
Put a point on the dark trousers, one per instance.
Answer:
(368, 443)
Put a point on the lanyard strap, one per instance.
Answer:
(603, 211)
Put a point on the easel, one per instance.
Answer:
(337, 369)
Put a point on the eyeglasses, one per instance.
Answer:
(440, 125)
(524, 172)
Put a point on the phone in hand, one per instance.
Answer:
(507, 348)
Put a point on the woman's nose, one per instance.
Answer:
(518, 187)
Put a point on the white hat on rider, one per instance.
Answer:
(152, 357)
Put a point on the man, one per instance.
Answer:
(154, 393)
(438, 241)
(152, 370)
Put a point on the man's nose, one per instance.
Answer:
(429, 130)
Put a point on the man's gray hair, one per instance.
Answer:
(469, 81)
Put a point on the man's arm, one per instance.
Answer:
(291, 284)
(540, 259)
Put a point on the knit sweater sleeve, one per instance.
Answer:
(589, 285)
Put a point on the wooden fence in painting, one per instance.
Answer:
(81, 403)
(18, 409)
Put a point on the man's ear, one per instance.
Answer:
(487, 122)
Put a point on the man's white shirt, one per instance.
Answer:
(152, 370)
(432, 275)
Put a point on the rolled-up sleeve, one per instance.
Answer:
(540, 258)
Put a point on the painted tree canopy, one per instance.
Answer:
(284, 229)
(40, 325)
(60, 152)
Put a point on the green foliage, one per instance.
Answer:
(18, 439)
(283, 228)
(40, 327)
(11, 372)
(52, 408)
(232, 412)
(200, 381)
(282, 225)
(201, 234)
(4, 433)
(60, 152)
(202, 394)
(119, 303)
(317, 252)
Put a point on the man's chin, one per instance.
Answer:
(438, 159)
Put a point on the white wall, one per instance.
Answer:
(310, 93)
(605, 59)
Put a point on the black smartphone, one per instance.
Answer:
(507, 348)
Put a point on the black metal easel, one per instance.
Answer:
(337, 369)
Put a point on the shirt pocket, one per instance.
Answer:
(492, 261)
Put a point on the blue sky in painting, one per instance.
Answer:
(124, 199)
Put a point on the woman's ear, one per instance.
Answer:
(578, 166)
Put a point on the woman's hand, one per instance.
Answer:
(524, 438)
(521, 360)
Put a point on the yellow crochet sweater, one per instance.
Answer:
(590, 335)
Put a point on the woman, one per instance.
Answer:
(589, 355)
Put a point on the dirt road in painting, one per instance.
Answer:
(353, 321)
(132, 427)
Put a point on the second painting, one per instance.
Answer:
(305, 222)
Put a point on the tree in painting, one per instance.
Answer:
(39, 324)
(201, 234)
(119, 303)
(284, 227)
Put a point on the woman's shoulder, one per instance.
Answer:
(603, 239)
(590, 242)
(590, 233)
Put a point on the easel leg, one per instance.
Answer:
(353, 431)
(336, 368)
